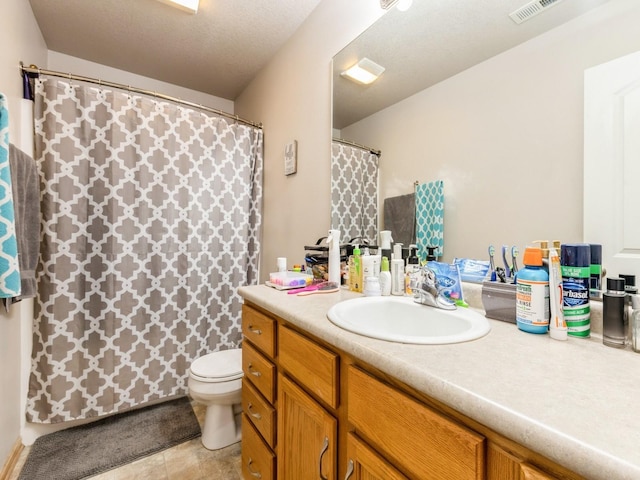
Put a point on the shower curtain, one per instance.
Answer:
(151, 219)
(354, 192)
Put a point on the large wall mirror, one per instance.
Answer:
(490, 106)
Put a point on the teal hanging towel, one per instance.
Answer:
(430, 217)
(9, 267)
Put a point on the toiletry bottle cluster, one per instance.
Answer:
(555, 288)
(552, 292)
(386, 273)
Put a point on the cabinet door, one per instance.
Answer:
(412, 435)
(504, 466)
(527, 472)
(307, 436)
(501, 465)
(363, 463)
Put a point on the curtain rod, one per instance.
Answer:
(80, 78)
(354, 144)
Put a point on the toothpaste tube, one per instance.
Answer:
(557, 325)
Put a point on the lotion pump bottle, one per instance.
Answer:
(355, 271)
(334, 256)
(397, 271)
(385, 277)
(411, 270)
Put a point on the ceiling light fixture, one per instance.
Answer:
(190, 6)
(364, 72)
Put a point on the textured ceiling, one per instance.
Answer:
(218, 51)
(432, 41)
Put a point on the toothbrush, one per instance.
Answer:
(492, 251)
(507, 270)
(327, 287)
(514, 255)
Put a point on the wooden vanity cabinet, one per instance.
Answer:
(364, 463)
(504, 465)
(307, 431)
(311, 411)
(307, 435)
(258, 395)
(416, 438)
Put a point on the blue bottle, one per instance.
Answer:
(532, 293)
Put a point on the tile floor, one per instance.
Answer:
(187, 461)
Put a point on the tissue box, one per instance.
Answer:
(499, 301)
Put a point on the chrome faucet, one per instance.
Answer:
(427, 292)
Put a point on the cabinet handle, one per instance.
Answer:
(251, 471)
(350, 469)
(325, 447)
(254, 415)
(257, 331)
(252, 371)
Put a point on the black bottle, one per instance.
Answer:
(613, 313)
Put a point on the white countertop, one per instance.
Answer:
(573, 402)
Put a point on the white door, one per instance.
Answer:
(612, 163)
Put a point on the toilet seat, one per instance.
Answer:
(222, 366)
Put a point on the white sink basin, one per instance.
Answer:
(400, 319)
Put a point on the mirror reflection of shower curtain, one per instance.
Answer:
(354, 192)
(151, 213)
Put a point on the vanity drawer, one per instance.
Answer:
(410, 434)
(258, 461)
(259, 371)
(259, 329)
(260, 412)
(313, 366)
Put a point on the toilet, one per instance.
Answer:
(215, 380)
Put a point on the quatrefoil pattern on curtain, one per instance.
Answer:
(354, 192)
(151, 220)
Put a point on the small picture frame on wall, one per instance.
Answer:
(291, 158)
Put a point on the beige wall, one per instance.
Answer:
(21, 41)
(506, 136)
(292, 97)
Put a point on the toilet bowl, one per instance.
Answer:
(215, 380)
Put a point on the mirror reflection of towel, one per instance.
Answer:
(400, 218)
(430, 217)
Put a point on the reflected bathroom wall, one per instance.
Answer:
(505, 136)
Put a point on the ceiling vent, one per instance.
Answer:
(531, 9)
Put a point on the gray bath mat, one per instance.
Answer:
(86, 450)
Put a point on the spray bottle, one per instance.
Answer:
(334, 256)
(385, 244)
